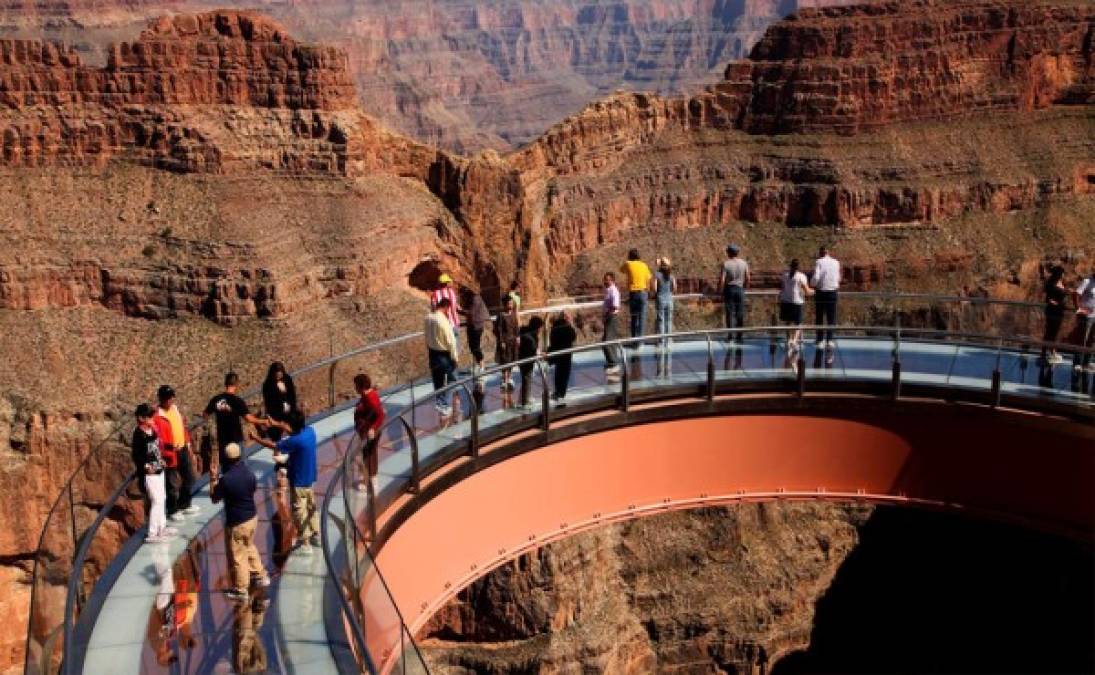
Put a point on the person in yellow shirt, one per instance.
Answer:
(640, 282)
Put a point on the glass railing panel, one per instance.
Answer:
(382, 624)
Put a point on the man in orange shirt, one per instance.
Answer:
(175, 440)
(640, 281)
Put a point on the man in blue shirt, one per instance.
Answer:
(299, 448)
(236, 487)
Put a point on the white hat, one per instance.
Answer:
(232, 451)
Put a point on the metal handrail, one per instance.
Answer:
(356, 632)
(552, 308)
(981, 340)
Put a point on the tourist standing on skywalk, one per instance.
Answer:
(734, 278)
(640, 282)
(230, 412)
(1056, 298)
(478, 315)
(1085, 321)
(442, 348)
(561, 338)
(610, 312)
(148, 461)
(299, 450)
(445, 291)
(368, 421)
(236, 488)
(279, 398)
(175, 442)
(528, 347)
(826, 283)
(505, 338)
(794, 289)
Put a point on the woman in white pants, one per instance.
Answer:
(148, 461)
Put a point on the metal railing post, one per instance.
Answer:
(895, 386)
(625, 381)
(800, 383)
(710, 369)
(545, 396)
(76, 574)
(416, 474)
(370, 499)
(473, 442)
(997, 377)
(331, 385)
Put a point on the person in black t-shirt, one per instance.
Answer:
(528, 346)
(230, 412)
(1056, 298)
(562, 337)
(149, 464)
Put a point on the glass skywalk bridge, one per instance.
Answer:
(143, 608)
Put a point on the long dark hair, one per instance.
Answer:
(1056, 273)
(271, 374)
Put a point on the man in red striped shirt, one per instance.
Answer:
(446, 290)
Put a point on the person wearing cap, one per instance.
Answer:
(236, 488)
(230, 412)
(446, 291)
(826, 283)
(175, 443)
(149, 464)
(441, 347)
(734, 278)
(640, 281)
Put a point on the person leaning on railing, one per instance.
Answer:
(368, 421)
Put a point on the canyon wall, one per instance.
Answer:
(468, 75)
(778, 588)
(212, 197)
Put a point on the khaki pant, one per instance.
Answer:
(305, 513)
(243, 555)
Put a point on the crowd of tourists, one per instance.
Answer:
(168, 463)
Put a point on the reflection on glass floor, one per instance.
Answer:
(166, 611)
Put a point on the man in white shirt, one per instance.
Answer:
(826, 283)
(1085, 317)
(442, 346)
(610, 314)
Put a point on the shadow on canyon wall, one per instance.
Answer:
(929, 592)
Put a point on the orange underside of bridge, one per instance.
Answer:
(1015, 466)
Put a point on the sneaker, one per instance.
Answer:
(314, 541)
(155, 539)
(262, 581)
(177, 517)
(192, 509)
(236, 595)
(560, 403)
(304, 549)
(830, 345)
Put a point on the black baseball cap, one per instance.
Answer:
(144, 410)
(165, 392)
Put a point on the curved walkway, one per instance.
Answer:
(138, 627)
